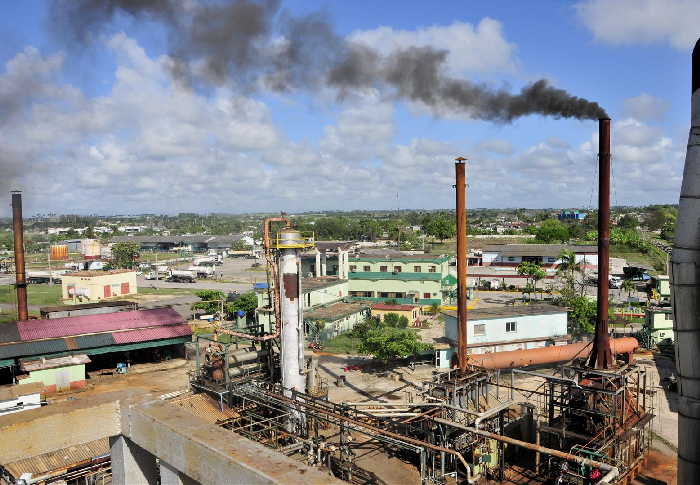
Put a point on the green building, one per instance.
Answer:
(658, 323)
(384, 275)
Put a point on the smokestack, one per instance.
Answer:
(20, 276)
(461, 215)
(601, 355)
(685, 285)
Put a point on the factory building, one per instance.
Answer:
(546, 255)
(56, 352)
(503, 329)
(195, 243)
(327, 258)
(98, 285)
(325, 322)
(398, 277)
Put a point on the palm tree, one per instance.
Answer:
(568, 267)
(628, 286)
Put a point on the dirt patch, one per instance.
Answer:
(659, 469)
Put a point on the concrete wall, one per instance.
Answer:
(541, 327)
(398, 286)
(59, 379)
(412, 315)
(93, 286)
(660, 325)
(342, 325)
(325, 295)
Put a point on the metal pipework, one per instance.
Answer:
(546, 355)
(685, 286)
(461, 216)
(601, 355)
(20, 275)
(612, 472)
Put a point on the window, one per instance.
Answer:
(480, 329)
(397, 269)
(417, 269)
(511, 327)
(383, 269)
(432, 269)
(426, 295)
(669, 316)
(551, 260)
(353, 268)
(511, 258)
(366, 268)
(383, 294)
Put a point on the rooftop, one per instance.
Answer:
(398, 308)
(378, 275)
(508, 311)
(377, 255)
(189, 239)
(319, 282)
(92, 274)
(8, 393)
(29, 365)
(86, 306)
(549, 250)
(335, 311)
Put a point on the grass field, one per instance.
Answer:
(342, 344)
(36, 294)
(634, 257)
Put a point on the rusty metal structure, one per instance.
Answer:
(20, 274)
(601, 355)
(461, 216)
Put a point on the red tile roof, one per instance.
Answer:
(145, 334)
(386, 306)
(105, 322)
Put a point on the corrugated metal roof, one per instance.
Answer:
(376, 275)
(204, 407)
(71, 326)
(137, 345)
(32, 348)
(9, 332)
(30, 365)
(58, 460)
(145, 334)
(508, 311)
(97, 340)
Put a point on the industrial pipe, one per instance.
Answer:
(20, 275)
(685, 285)
(461, 216)
(275, 293)
(240, 357)
(612, 471)
(545, 355)
(601, 355)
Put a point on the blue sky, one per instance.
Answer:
(105, 130)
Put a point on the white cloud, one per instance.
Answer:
(501, 147)
(481, 48)
(644, 107)
(642, 21)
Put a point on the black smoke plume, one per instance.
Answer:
(254, 41)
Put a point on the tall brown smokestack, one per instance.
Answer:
(461, 216)
(20, 278)
(601, 355)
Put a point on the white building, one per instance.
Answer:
(546, 255)
(21, 397)
(504, 328)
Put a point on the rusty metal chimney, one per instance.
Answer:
(20, 276)
(461, 215)
(685, 289)
(601, 355)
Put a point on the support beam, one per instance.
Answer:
(170, 476)
(131, 464)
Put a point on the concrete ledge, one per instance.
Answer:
(209, 454)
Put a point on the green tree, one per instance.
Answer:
(628, 221)
(389, 343)
(125, 254)
(210, 301)
(532, 271)
(568, 268)
(360, 330)
(582, 315)
(440, 227)
(247, 302)
(628, 286)
(551, 231)
(395, 320)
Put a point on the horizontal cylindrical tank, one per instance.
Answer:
(246, 356)
(546, 355)
(242, 369)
